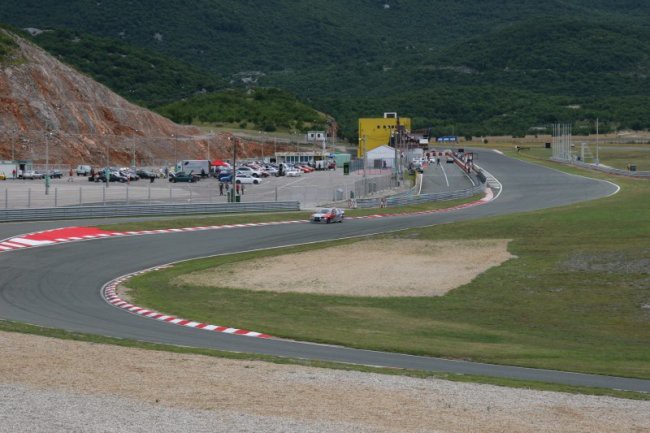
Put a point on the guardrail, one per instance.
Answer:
(608, 170)
(142, 210)
(403, 200)
(485, 177)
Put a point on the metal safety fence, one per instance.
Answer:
(410, 199)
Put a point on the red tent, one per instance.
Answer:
(218, 163)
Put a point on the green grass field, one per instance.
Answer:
(617, 156)
(575, 299)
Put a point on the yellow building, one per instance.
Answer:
(375, 132)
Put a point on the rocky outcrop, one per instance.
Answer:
(49, 107)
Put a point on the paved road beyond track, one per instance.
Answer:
(59, 286)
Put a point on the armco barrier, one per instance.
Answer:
(402, 200)
(142, 210)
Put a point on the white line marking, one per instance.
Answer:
(445, 173)
(30, 242)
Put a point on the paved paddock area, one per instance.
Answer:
(310, 189)
(445, 178)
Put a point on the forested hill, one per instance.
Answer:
(236, 35)
(478, 67)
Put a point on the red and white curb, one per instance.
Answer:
(76, 234)
(109, 293)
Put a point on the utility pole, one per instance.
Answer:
(47, 161)
(597, 143)
(133, 152)
(234, 156)
(13, 146)
(209, 139)
(107, 171)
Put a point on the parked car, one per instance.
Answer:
(55, 174)
(31, 174)
(146, 174)
(114, 176)
(249, 170)
(83, 170)
(181, 176)
(304, 168)
(270, 170)
(129, 173)
(328, 215)
(293, 172)
(247, 178)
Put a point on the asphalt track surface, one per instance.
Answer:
(59, 286)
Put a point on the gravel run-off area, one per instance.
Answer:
(56, 386)
(364, 268)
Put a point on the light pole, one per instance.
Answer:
(174, 143)
(107, 170)
(47, 161)
(133, 149)
(13, 145)
(209, 139)
(597, 143)
(234, 155)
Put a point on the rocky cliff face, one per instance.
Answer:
(47, 107)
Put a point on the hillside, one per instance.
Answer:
(145, 77)
(48, 105)
(474, 67)
(261, 109)
(235, 35)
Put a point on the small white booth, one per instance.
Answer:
(381, 157)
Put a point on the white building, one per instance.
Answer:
(381, 157)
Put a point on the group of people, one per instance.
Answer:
(239, 188)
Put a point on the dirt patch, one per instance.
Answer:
(290, 394)
(394, 267)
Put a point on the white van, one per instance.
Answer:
(83, 170)
(197, 167)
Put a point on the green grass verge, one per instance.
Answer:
(617, 156)
(9, 326)
(201, 220)
(572, 300)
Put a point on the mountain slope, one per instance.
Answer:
(142, 76)
(236, 35)
(559, 60)
(47, 102)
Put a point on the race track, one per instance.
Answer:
(59, 286)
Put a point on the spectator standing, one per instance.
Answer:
(220, 188)
(237, 188)
(242, 189)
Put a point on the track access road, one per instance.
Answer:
(59, 286)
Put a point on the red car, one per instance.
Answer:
(328, 215)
